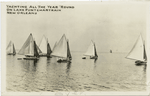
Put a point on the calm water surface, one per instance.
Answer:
(110, 72)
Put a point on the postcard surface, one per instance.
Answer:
(75, 48)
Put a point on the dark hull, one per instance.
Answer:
(45, 56)
(30, 58)
(61, 61)
(94, 57)
(83, 57)
(138, 62)
(11, 54)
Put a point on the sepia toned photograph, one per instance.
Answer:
(75, 46)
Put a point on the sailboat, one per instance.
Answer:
(138, 52)
(45, 47)
(29, 49)
(11, 49)
(110, 51)
(62, 50)
(91, 51)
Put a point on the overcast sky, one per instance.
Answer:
(110, 26)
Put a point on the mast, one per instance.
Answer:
(145, 56)
(14, 51)
(49, 51)
(95, 50)
(68, 50)
(36, 54)
(38, 49)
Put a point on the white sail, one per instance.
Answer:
(91, 50)
(28, 47)
(137, 51)
(31, 47)
(10, 48)
(54, 45)
(43, 45)
(61, 48)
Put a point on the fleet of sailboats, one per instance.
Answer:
(11, 49)
(91, 51)
(138, 52)
(62, 50)
(45, 47)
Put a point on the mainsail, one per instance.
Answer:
(54, 45)
(61, 49)
(138, 50)
(91, 50)
(29, 48)
(43, 45)
(11, 48)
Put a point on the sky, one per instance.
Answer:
(110, 25)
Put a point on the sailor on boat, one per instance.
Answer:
(91, 51)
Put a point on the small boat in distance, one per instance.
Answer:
(110, 51)
(29, 49)
(62, 50)
(138, 52)
(11, 49)
(91, 51)
(44, 46)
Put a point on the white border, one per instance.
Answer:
(3, 63)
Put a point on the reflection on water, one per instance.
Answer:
(110, 72)
(68, 67)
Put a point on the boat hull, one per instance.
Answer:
(30, 58)
(45, 56)
(11, 54)
(83, 57)
(140, 62)
(93, 57)
(59, 60)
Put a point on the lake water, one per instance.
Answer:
(110, 72)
